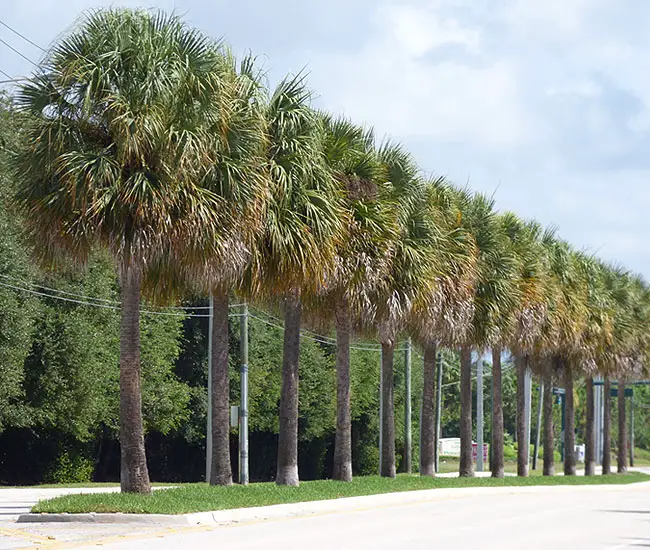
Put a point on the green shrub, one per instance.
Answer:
(71, 468)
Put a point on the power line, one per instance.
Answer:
(91, 298)
(21, 35)
(18, 52)
(113, 307)
(8, 76)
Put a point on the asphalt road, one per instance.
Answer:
(574, 518)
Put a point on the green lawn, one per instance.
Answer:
(201, 497)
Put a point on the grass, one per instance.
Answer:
(202, 498)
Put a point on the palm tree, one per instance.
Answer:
(496, 299)
(235, 173)
(408, 279)
(443, 317)
(362, 258)
(110, 159)
(297, 252)
(524, 323)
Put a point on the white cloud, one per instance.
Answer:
(391, 83)
(420, 31)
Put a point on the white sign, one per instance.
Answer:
(449, 446)
(234, 416)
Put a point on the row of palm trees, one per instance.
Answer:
(149, 139)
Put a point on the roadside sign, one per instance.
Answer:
(629, 392)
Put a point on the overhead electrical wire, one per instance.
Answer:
(21, 35)
(18, 52)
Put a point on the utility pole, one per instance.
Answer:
(438, 410)
(208, 434)
(559, 392)
(381, 406)
(479, 415)
(598, 421)
(631, 428)
(528, 391)
(539, 423)
(243, 405)
(407, 407)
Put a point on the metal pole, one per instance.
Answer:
(381, 405)
(528, 391)
(598, 421)
(438, 410)
(243, 406)
(407, 407)
(208, 434)
(479, 415)
(562, 404)
(539, 423)
(632, 429)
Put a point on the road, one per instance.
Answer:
(575, 518)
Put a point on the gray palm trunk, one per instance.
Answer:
(388, 417)
(549, 436)
(590, 431)
(220, 469)
(134, 475)
(287, 470)
(497, 460)
(569, 425)
(607, 427)
(428, 427)
(522, 448)
(622, 430)
(466, 467)
(343, 442)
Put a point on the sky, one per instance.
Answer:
(544, 105)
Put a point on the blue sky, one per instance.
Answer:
(546, 104)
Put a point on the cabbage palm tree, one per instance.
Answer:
(235, 172)
(524, 324)
(443, 317)
(496, 298)
(112, 158)
(409, 278)
(571, 319)
(296, 255)
(362, 258)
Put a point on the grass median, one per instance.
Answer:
(201, 497)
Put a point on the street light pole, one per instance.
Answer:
(539, 423)
(407, 407)
(243, 405)
(479, 415)
(438, 410)
(208, 434)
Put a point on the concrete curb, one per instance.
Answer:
(320, 507)
(152, 519)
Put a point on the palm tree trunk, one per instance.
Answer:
(220, 469)
(622, 430)
(388, 418)
(590, 431)
(466, 467)
(569, 424)
(428, 428)
(497, 461)
(549, 436)
(134, 475)
(287, 473)
(343, 441)
(522, 447)
(607, 426)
